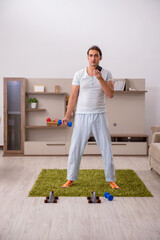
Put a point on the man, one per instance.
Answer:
(89, 87)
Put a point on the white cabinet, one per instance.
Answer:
(44, 148)
(122, 145)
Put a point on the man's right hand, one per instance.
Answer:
(65, 120)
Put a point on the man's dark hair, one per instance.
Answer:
(95, 48)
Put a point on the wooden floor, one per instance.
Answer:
(24, 218)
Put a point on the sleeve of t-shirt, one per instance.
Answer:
(76, 79)
(109, 76)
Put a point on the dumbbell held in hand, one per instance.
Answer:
(60, 122)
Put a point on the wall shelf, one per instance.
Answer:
(44, 126)
(129, 92)
(46, 93)
(35, 110)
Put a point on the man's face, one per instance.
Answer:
(94, 58)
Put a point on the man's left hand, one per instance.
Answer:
(98, 74)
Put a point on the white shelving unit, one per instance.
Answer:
(125, 115)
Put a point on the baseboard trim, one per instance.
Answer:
(1, 147)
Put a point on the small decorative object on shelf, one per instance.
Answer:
(38, 88)
(132, 89)
(67, 100)
(48, 119)
(119, 85)
(57, 88)
(52, 123)
(33, 102)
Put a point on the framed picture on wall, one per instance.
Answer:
(38, 88)
(119, 85)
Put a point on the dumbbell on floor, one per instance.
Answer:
(108, 196)
(93, 198)
(51, 198)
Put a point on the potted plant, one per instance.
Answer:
(33, 102)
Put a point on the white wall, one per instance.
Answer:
(49, 38)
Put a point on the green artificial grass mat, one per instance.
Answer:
(52, 180)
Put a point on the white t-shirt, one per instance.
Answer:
(91, 99)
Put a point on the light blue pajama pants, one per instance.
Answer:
(84, 125)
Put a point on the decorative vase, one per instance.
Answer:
(34, 105)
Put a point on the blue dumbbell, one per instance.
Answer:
(109, 196)
(69, 123)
